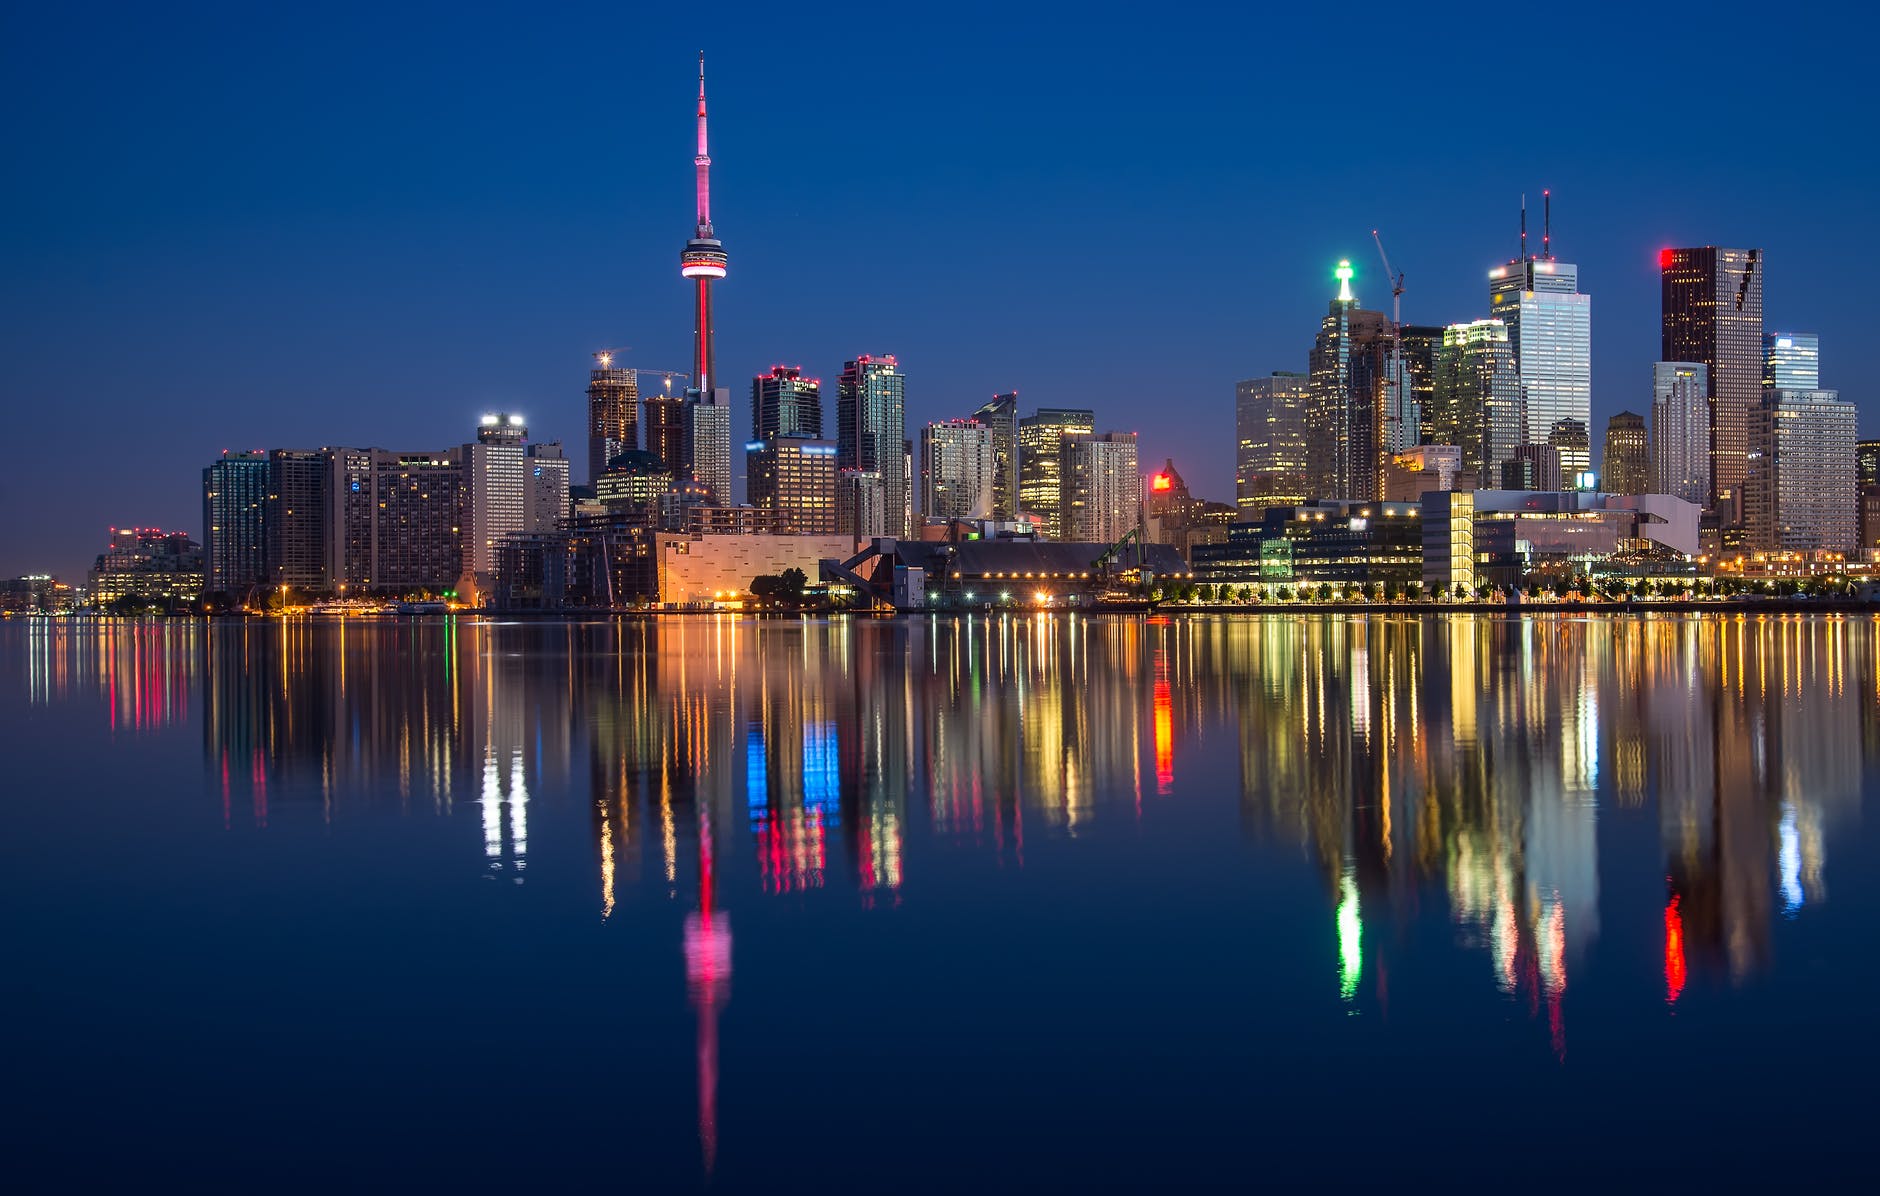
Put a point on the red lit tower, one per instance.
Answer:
(704, 257)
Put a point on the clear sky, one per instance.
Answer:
(261, 226)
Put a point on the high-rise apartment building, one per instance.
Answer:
(1791, 361)
(613, 413)
(665, 432)
(1270, 436)
(958, 470)
(548, 485)
(1345, 429)
(871, 429)
(297, 516)
(1574, 445)
(794, 479)
(1001, 415)
(1477, 404)
(707, 452)
(861, 503)
(234, 527)
(1867, 477)
(1419, 344)
(497, 491)
(1802, 490)
(1680, 435)
(418, 538)
(1625, 467)
(785, 403)
(1101, 487)
(1550, 333)
(1712, 305)
(1040, 452)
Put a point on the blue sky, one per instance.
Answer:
(249, 226)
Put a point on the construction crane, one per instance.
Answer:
(605, 357)
(1393, 411)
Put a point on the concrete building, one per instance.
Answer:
(1802, 493)
(148, 565)
(1270, 441)
(700, 570)
(1680, 435)
(1570, 439)
(958, 470)
(298, 511)
(861, 503)
(1101, 486)
(1040, 449)
(794, 479)
(548, 487)
(496, 490)
(1625, 466)
(707, 423)
(418, 541)
(613, 413)
(1000, 414)
(1427, 467)
(1533, 467)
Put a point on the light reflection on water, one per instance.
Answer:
(1461, 767)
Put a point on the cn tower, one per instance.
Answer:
(704, 257)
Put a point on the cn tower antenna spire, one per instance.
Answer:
(704, 160)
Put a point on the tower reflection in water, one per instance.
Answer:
(1454, 764)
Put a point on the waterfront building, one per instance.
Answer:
(632, 484)
(871, 431)
(234, 527)
(36, 594)
(613, 413)
(1477, 404)
(1791, 361)
(1270, 437)
(1625, 466)
(794, 479)
(1325, 541)
(548, 486)
(1549, 325)
(1680, 433)
(785, 403)
(296, 518)
(1571, 440)
(704, 570)
(958, 470)
(1712, 315)
(147, 564)
(418, 541)
(1040, 449)
(1101, 487)
(861, 503)
(1000, 414)
(1802, 492)
(496, 490)
(707, 452)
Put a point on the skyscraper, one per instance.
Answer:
(1867, 477)
(1569, 438)
(958, 470)
(871, 429)
(299, 501)
(1791, 361)
(613, 413)
(1001, 415)
(708, 442)
(861, 506)
(1550, 332)
(1802, 493)
(547, 484)
(1102, 486)
(1625, 467)
(795, 479)
(1477, 404)
(496, 489)
(785, 403)
(1040, 460)
(234, 530)
(1345, 417)
(703, 260)
(1713, 316)
(1681, 430)
(1270, 436)
(665, 431)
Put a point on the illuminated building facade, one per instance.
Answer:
(1712, 313)
(1477, 404)
(795, 479)
(1326, 541)
(1550, 333)
(871, 431)
(1533, 467)
(1802, 491)
(1791, 361)
(496, 489)
(1346, 388)
(1570, 439)
(1680, 434)
(1040, 449)
(1270, 438)
(785, 403)
(707, 434)
(861, 503)
(958, 470)
(632, 484)
(665, 431)
(1000, 414)
(1101, 487)
(1867, 477)
(234, 526)
(1625, 467)
(1427, 467)
(147, 564)
(418, 541)
(613, 413)
(297, 516)
(703, 261)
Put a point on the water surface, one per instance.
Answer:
(1048, 901)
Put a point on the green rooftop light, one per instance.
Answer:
(1343, 274)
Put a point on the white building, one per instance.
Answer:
(1680, 436)
(1102, 487)
(1550, 330)
(958, 471)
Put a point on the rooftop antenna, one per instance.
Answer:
(1524, 226)
(1547, 225)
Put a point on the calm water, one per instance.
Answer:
(1051, 902)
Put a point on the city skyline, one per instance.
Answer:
(395, 344)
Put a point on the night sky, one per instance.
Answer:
(244, 226)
